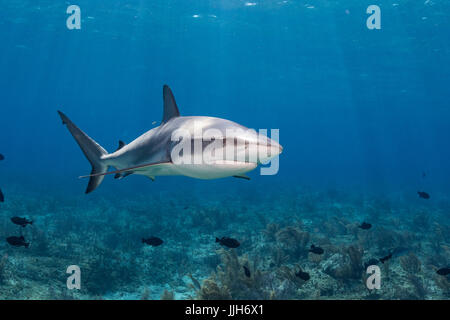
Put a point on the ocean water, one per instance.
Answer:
(363, 117)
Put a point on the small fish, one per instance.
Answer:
(371, 262)
(423, 195)
(443, 271)
(316, 250)
(303, 275)
(382, 260)
(424, 174)
(365, 226)
(228, 242)
(18, 241)
(247, 272)
(2, 197)
(21, 221)
(2, 157)
(400, 251)
(153, 241)
(195, 282)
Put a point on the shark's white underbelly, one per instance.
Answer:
(218, 169)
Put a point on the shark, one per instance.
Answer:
(199, 147)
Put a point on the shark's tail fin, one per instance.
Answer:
(91, 149)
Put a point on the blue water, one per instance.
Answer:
(361, 112)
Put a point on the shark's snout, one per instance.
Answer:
(276, 148)
(268, 149)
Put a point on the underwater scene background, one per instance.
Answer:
(363, 118)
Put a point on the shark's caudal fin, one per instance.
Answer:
(91, 149)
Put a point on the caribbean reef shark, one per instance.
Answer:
(194, 146)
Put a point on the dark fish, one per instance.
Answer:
(371, 262)
(153, 241)
(400, 251)
(2, 157)
(424, 174)
(395, 253)
(195, 282)
(21, 221)
(443, 271)
(18, 241)
(365, 226)
(316, 250)
(386, 258)
(303, 275)
(423, 195)
(228, 242)
(247, 272)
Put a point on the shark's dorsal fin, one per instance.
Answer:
(170, 106)
(121, 145)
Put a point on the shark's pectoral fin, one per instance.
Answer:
(242, 176)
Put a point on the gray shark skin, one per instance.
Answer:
(152, 153)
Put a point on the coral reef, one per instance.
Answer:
(410, 263)
(103, 236)
(167, 295)
(3, 261)
(346, 265)
(230, 281)
(293, 241)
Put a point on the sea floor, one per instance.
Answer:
(102, 235)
